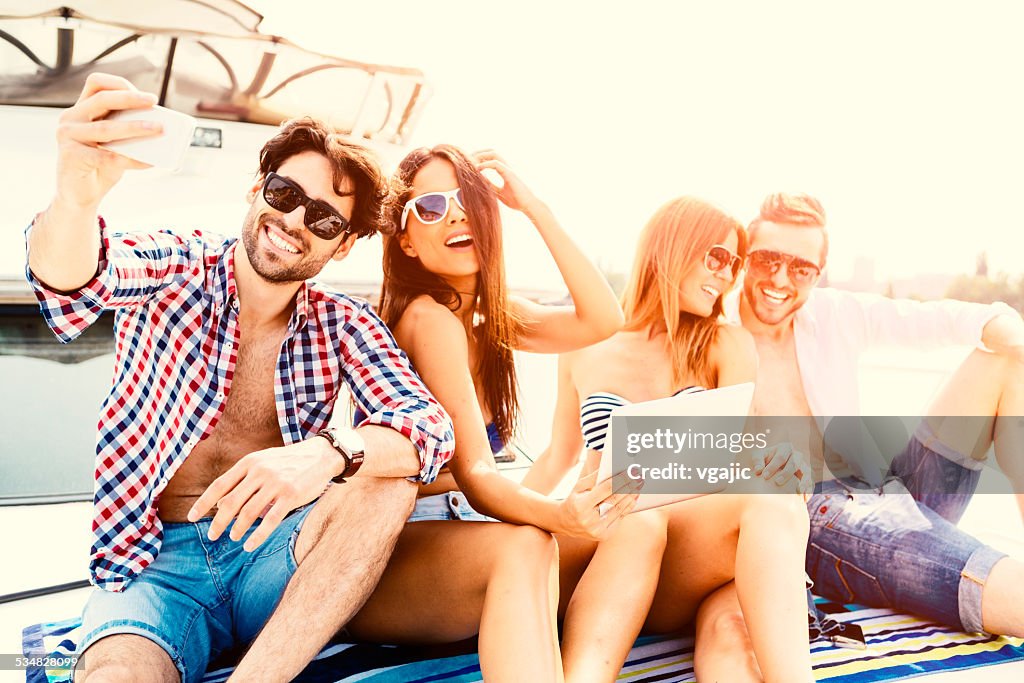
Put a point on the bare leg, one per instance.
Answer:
(342, 549)
(723, 652)
(1003, 597)
(610, 599)
(759, 540)
(126, 658)
(1009, 430)
(447, 581)
(985, 385)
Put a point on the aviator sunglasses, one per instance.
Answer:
(281, 194)
(431, 207)
(718, 258)
(765, 263)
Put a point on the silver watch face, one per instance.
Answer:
(349, 440)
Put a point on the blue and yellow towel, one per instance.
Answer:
(898, 647)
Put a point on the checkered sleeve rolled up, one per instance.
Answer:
(132, 268)
(385, 385)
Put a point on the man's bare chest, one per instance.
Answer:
(779, 387)
(248, 423)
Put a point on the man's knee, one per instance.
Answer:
(985, 373)
(377, 506)
(1003, 363)
(114, 672)
(125, 658)
(388, 499)
(392, 493)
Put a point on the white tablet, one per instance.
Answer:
(730, 407)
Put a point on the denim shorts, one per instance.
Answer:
(887, 548)
(446, 507)
(199, 597)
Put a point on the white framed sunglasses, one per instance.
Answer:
(431, 207)
(719, 258)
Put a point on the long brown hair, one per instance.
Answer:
(675, 238)
(405, 278)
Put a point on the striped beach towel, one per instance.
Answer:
(898, 646)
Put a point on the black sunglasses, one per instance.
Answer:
(281, 194)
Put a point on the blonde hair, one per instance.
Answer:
(798, 209)
(675, 238)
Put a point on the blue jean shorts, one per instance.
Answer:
(199, 597)
(448, 506)
(888, 547)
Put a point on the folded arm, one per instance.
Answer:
(383, 382)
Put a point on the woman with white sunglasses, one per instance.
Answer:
(444, 297)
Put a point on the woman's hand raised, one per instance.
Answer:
(513, 192)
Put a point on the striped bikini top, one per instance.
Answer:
(596, 414)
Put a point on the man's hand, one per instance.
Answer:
(269, 484)
(591, 510)
(1004, 334)
(781, 463)
(64, 243)
(85, 171)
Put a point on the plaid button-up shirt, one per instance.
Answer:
(177, 336)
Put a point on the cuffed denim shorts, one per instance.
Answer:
(446, 507)
(199, 597)
(889, 548)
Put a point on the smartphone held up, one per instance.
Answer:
(166, 150)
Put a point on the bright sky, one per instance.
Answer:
(903, 118)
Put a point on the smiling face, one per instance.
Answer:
(445, 248)
(773, 297)
(700, 288)
(278, 246)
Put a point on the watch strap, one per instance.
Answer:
(353, 461)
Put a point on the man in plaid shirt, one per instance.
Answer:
(228, 366)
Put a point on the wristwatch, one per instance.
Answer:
(351, 447)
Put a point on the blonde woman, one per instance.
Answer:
(674, 340)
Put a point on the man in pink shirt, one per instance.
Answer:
(884, 534)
